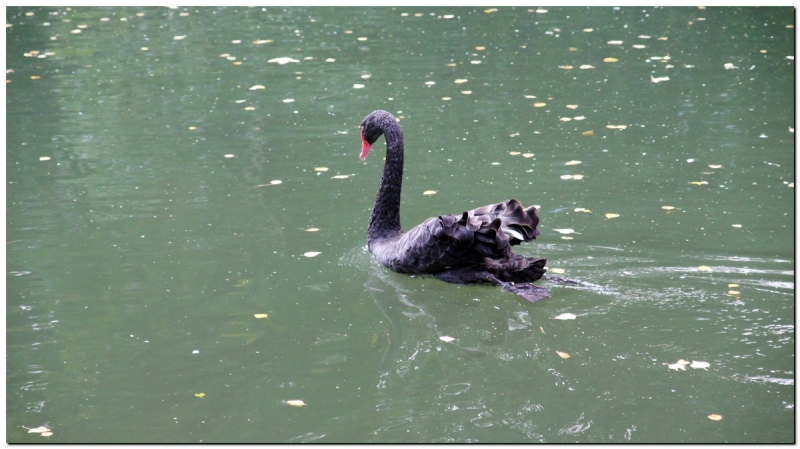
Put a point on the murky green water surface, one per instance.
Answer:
(139, 254)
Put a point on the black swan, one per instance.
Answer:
(474, 247)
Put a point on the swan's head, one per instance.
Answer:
(372, 127)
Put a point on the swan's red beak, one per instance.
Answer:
(365, 146)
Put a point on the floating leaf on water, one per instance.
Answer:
(446, 98)
(578, 177)
(200, 395)
(588, 133)
(566, 176)
(714, 166)
(79, 32)
(640, 46)
(229, 156)
(358, 86)
(563, 355)
(526, 155)
(610, 60)
(698, 183)
(495, 163)
(179, 38)
(565, 316)
(340, 177)
(541, 329)
(429, 192)
(573, 48)
(513, 153)
(530, 96)
(556, 270)
(566, 231)
(312, 254)
(566, 238)
(566, 67)
(260, 315)
(490, 10)
(312, 229)
(581, 209)
(614, 42)
(659, 79)
(330, 60)
(47, 434)
(612, 215)
(44, 158)
(704, 268)
(539, 105)
(321, 168)
(586, 67)
(446, 339)
(697, 365)
(192, 128)
(282, 60)
(276, 182)
(460, 81)
(616, 126)
(714, 417)
(734, 292)
(475, 62)
(262, 41)
(35, 77)
(588, 30)
(430, 83)
(257, 87)
(736, 225)
(572, 106)
(249, 108)
(288, 100)
(676, 366)
(38, 429)
(580, 117)
(667, 207)
(541, 11)
(565, 119)
(662, 38)
(295, 403)
(480, 48)
(466, 92)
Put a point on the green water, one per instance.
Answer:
(138, 255)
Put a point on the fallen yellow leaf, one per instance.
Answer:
(612, 215)
(539, 105)
(563, 355)
(429, 192)
(610, 60)
(200, 395)
(588, 133)
(714, 417)
(260, 315)
(733, 285)
(565, 67)
(295, 403)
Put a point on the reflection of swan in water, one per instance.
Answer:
(388, 290)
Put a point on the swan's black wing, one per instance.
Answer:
(479, 238)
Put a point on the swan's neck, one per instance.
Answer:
(385, 218)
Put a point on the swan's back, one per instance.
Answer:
(452, 241)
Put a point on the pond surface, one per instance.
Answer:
(164, 172)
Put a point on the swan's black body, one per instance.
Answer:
(473, 247)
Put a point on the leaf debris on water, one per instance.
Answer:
(340, 177)
(257, 87)
(610, 60)
(321, 168)
(460, 81)
(39, 429)
(446, 339)
(260, 315)
(658, 79)
(358, 86)
(312, 254)
(526, 155)
(563, 355)
(295, 403)
(573, 163)
(588, 133)
(616, 126)
(429, 192)
(556, 270)
(312, 229)
(566, 231)
(44, 158)
(282, 60)
(612, 215)
(736, 225)
(539, 105)
(565, 316)
(228, 156)
(200, 395)
(704, 268)
(714, 417)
